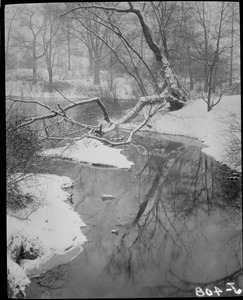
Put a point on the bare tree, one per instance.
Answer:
(9, 20)
(89, 38)
(11, 15)
(131, 64)
(234, 22)
(33, 20)
(211, 47)
(167, 78)
(52, 38)
(164, 16)
(186, 17)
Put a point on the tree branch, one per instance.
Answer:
(62, 111)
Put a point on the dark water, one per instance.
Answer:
(178, 220)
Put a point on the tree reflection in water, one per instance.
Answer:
(186, 232)
(50, 283)
(179, 219)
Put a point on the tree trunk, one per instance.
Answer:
(215, 76)
(69, 52)
(34, 62)
(97, 71)
(8, 36)
(205, 80)
(209, 104)
(91, 63)
(141, 44)
(188, 49)
(231, 49)
(34, 76)
(164, 40)
(191, 80)
(205, 29)
(155, 68)
(50, 77)
(111, 74)
(190, 67)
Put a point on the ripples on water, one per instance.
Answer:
(178, 221)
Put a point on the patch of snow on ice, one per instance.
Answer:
(91, 151)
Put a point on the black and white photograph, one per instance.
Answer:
(123, 149)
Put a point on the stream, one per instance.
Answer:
(171, 228)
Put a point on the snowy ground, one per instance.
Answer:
(47, 228)
(195, 121)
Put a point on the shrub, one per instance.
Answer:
(228, 174)
(21, 147)
(15, 199)
(233, 142)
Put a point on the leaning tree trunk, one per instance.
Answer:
(167, 76)
(169, 89)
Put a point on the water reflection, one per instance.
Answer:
(184, 224)
(52, 282)
(179, 226)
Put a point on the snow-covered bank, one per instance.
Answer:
(45, 229)
(195, 121)
(91, 151)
